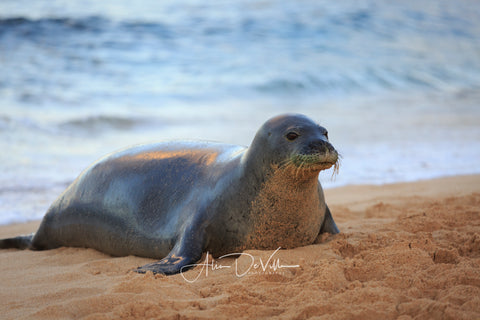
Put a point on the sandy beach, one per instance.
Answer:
(406, 251)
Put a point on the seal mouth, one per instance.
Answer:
(323, 160)
(314, 162)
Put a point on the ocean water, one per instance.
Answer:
(396, 83)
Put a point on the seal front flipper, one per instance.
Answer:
(186, 252)
(171, 264)
(328, 224)
(178, 260)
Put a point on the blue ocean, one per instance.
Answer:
(396, 83)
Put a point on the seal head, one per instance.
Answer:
(296, 142)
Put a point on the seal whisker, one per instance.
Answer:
(336, 167)
(298, 170)
(283, 163)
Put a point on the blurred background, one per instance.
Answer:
(396, 83)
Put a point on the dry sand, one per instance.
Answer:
(406, 251)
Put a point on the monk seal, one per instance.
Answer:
(175, 200)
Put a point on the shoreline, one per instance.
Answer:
(405, 250)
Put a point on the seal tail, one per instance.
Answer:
(20, 242)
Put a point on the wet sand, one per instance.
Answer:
(406, 251)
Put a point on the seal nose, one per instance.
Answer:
(321, 146)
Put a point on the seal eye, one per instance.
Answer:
(292, 136)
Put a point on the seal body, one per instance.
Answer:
(175, 200)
